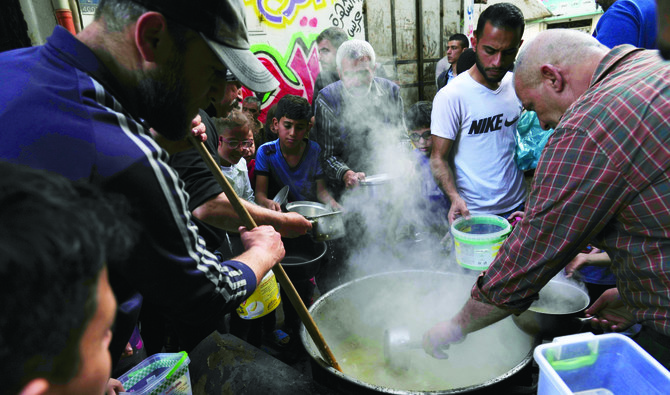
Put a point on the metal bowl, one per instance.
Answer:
(307, 209)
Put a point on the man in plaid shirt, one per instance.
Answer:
(603, 178)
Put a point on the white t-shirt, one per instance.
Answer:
(482, 124)
(238, 177)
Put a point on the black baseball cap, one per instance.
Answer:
(223, 26)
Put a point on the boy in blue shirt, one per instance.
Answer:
(291, 160)
(436, 205)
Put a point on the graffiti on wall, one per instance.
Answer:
(347, 15)
(279, 14)
(296, 70)
(286, 45)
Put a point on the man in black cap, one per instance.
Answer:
(83, 107)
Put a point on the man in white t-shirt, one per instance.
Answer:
(474, 120)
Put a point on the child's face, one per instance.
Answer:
(291, 132)
(234, 144)
(422, 140)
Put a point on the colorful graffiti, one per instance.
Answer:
(280, 14)
(296, 70)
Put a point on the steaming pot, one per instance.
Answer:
(556, 312)
(353, 317)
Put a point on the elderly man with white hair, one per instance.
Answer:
(352, 115)
(603, 178)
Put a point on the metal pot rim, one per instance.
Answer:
(576, 289)
(304, 338)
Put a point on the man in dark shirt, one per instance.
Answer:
(83, 107)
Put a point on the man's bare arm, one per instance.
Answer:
(444, 176)
(219, 212)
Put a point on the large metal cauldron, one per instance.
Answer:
(353, 317)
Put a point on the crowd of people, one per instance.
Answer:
(109, 207)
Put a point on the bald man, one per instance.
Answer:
(603, 178)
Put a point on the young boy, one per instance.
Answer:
(235, 142)
(436, 206)
(57, 303)
(291, 160)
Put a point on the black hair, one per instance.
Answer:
(418, 116)
(293, 107)
(465, 43)
(335, 35)
(269, 119)
(501, 15)
(55, 237)
(466, 60)
(235, 119)
(253, 99)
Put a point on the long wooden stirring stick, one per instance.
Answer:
(278, 270)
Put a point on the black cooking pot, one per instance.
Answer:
(353, 317)
(303, 257)
(557, 312)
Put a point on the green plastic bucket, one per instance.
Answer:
(478, 239)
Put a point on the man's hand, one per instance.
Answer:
(263, 238)
(351, 178)
(612, 314)
(439, 337)
(458, 209)
(198, 131)
(294, 225)
(268, 204)
(114, 387)
(580, 260)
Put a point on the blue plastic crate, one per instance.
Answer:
(598, 364)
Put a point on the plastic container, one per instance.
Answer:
(159, 374)
(598, 364)
(264, 299)
(478, 239)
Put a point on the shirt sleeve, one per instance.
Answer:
(619, 25)
(198, 179)
(575, 193)
(262, 160)
(330, 141)
(445, 117)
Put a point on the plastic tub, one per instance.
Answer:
(478, 239)
(159, 374)
(598, 364)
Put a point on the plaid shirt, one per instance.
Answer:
(603, 178)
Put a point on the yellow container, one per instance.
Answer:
(264, 299)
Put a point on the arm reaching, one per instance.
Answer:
(444, 176)
(612, 314)
(473, 316)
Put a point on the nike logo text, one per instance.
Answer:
(490, 124)
(510, 123)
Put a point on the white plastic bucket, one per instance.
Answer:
(478, 239)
